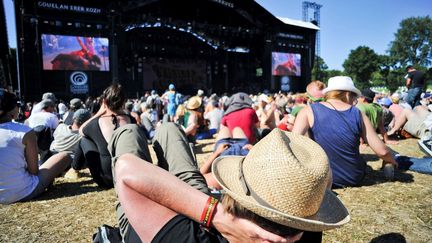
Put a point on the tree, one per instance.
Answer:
(319, 70)
(413, 42)
(360, 65)
(389, 73)
(333, 73)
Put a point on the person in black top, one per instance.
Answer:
(415, 81)
(97, 132)
(259, 203)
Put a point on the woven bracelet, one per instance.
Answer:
(208, 212)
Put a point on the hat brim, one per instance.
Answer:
(331, 214)
(350, 88)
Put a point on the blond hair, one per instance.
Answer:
(342, 95)
(320, 85)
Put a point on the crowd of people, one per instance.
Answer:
(267, 145)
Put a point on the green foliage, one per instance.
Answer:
(319, 70)
(389, 73)
(332, 73)
(377, 79)
(361, 64)
(413, 42)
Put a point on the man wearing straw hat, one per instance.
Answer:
(273, 194)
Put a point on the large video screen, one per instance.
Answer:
(61, 52)
(286, 64)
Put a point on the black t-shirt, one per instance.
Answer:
(182, 229)
(179, 229)
(417, 79)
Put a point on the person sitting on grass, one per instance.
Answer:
(374, 112)
(337, 125)
(214, 116)
(266, 115)
(96, 133)
(74, 105)
(21, 177)
(272, 195)
(67, 137)
(195, 127)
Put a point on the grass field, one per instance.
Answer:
(381, 211)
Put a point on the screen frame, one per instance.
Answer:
(297, 65)
(105, 57)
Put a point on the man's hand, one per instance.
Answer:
(238, 230)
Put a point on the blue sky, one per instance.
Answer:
(345, 24)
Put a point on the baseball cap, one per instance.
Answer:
(81, 116)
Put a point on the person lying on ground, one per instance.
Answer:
(420, 165)
(173, 154)
(417, 122)
(239, 113)
(272, 195)
(227, 144)
(21, 177)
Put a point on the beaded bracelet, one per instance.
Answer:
(208, 212)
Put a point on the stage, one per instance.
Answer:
(77, 48)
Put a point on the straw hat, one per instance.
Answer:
(341, 83)
(264, 98)
(193, 103)
(283, 179)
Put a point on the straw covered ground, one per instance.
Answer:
(381, 211)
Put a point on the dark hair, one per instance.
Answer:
(368, 95)
(8, 101)
(409, 67)
(233, 207)
(114, 97)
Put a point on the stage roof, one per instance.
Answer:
(299, 23)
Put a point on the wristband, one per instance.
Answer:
(208, 212)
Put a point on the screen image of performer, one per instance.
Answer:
(86, 53)
(286, 64)
(83, 59)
